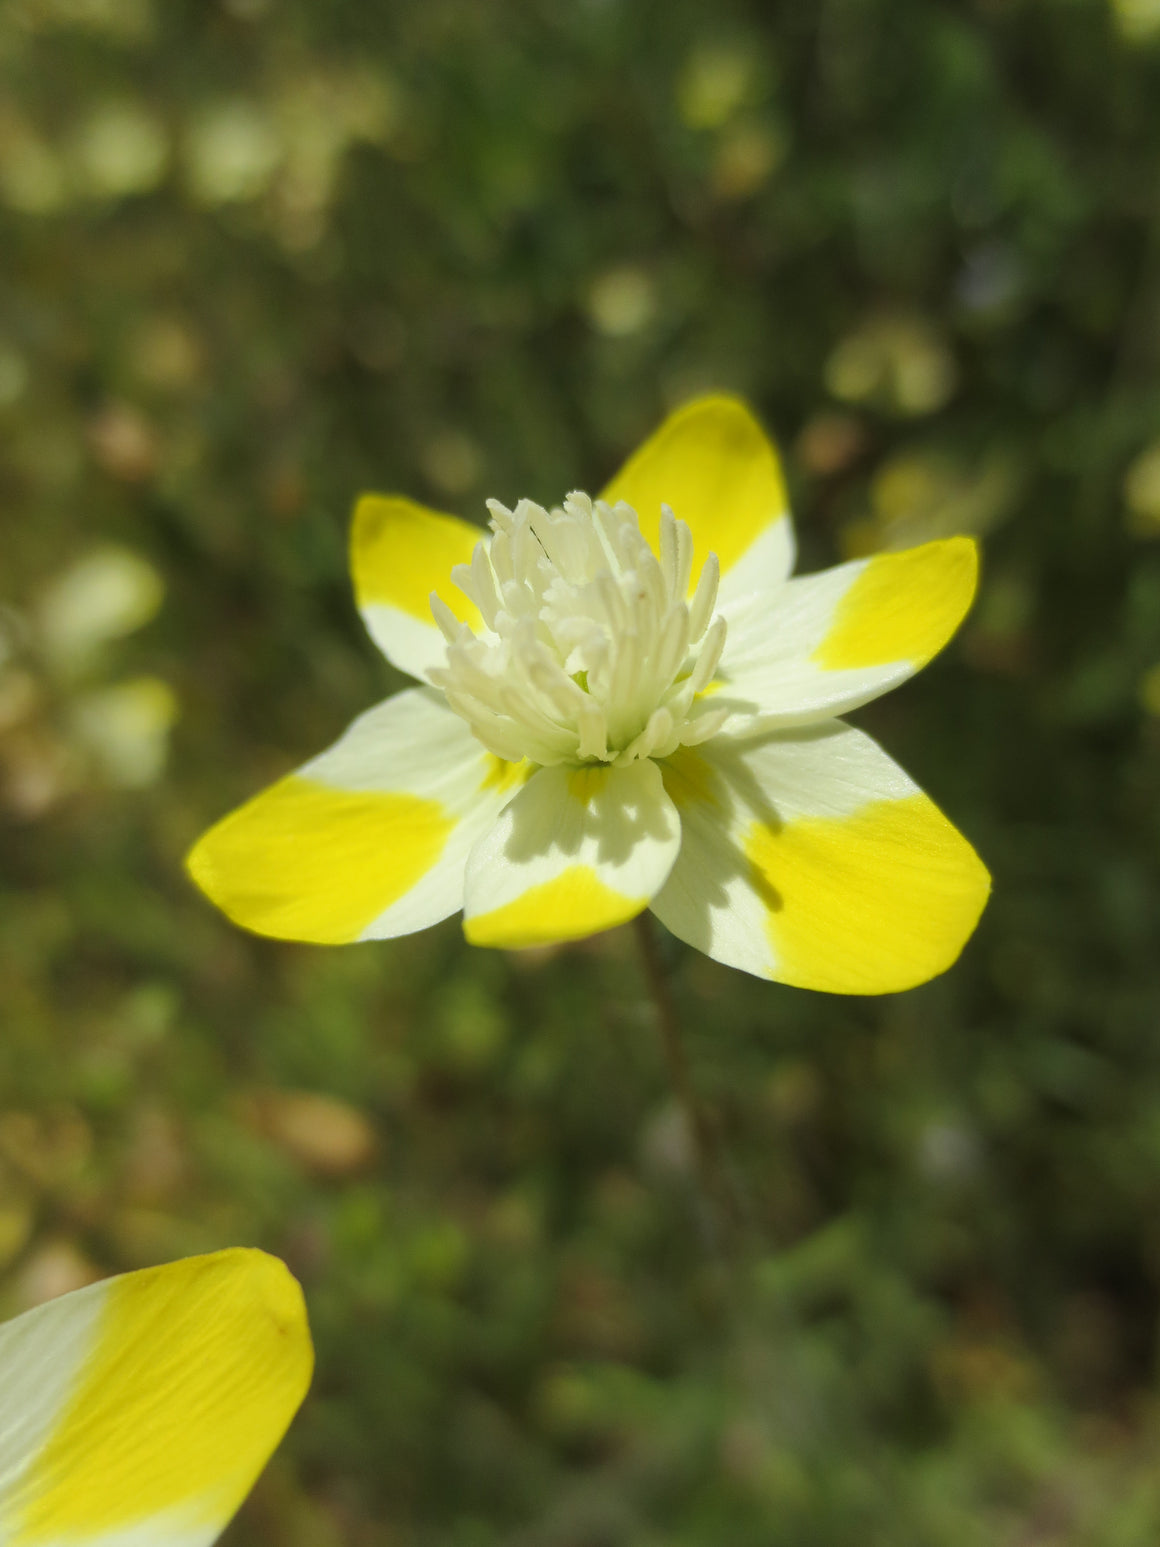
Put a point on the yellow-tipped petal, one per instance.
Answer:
(178, 1383)
(302, 861)
(366, 841)
(810, 857)
(714, 465)
(869, 903)
(836, 639)
(578, 850)
(399, 553)
(902, 606)
(571, 906)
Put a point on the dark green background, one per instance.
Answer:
(462, 248)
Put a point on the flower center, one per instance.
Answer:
(594, 651)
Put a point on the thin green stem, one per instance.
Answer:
(718, 1205)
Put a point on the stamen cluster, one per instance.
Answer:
(593, 650)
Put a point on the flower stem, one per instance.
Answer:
(720, 1215)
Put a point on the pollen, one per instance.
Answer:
(595, 649)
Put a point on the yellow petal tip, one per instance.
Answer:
(903, 606)
(572, 905)
(712, 462)
(400, 552)
(873, 903)
(303, 861)
(193, 1373)
(273, 1287)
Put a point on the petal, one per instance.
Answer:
(714, 465)
(578, 850)
(831, 641)
(367, 841)
(399, 553)
(139, 1411)
(812, 858)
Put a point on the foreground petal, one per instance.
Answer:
(399, 553)
(578, 850)
(139, 1411)
(714, 465)
(831, 641)
(367, 841)
(812, 858)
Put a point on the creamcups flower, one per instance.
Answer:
(627, 703)
(139, 1411)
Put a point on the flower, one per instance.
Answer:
(141, 1409)
(628, 703)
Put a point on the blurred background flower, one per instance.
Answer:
(62, 729)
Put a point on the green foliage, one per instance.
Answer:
(260, 255)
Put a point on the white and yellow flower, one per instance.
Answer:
(137, 1412)
(627, 703)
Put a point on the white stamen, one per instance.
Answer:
(592, 649)
(710, 656)
(704, 597)
(449, 625)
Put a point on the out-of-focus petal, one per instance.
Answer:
(137, 1412)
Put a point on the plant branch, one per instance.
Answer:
(719, 1208)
